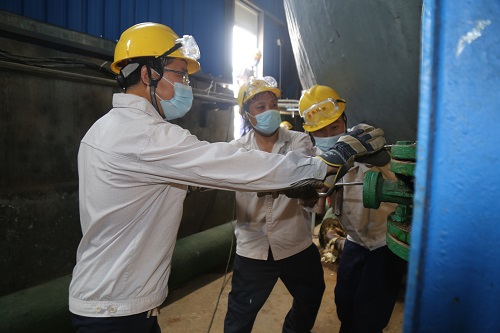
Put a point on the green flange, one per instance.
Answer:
(403, 167)
(399, 230)
(404, 150)
(373, 181)
(403, 155)
(376, 189)
(401, 249)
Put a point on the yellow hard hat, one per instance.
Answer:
(255, 86)
(154, 40)
(320, 106)
(286, 125)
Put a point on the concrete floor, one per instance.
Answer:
(191, 308)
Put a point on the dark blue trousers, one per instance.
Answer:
(138, 323)
(252, 283)
(368, 283)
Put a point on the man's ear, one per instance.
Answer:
(244, 110)
(145, 75)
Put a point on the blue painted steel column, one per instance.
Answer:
(454, 275)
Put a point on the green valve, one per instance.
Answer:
(376, 190)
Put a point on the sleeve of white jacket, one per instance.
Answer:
(173, 154)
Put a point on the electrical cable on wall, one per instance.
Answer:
(54, 63)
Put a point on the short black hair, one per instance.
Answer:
(156, 64)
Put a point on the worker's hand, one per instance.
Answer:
(361, 141)
(307, 193)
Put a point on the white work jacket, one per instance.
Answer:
(134, 169)
(263, 222)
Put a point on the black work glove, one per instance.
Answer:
(306, 190)
(306, 193)
(378, 159)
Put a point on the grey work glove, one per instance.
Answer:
(359, 142)
(378, 158)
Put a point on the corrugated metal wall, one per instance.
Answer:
(206, 20)
(210, 22)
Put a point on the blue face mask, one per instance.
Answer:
(180, 104)
(267, 122)
(326, 143)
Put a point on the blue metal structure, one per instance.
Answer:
(453, 282)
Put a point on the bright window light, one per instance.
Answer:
(244, 46)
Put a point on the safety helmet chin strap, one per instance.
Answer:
(153, 83)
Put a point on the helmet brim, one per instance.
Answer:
(193, 66)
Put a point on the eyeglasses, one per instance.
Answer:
(328, 108)
(185, 75)
(256, 85)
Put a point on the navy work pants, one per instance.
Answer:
(252, 283)
(368, 283)
(139, 323)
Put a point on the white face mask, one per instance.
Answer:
(180, 104)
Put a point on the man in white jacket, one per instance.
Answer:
(134, 168)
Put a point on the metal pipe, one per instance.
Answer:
(44, 308)
(331, 189)
(58, 74)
